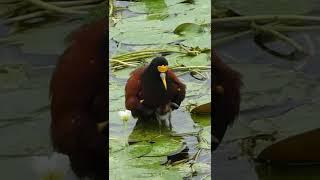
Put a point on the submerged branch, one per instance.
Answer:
(277, 34)
(266, 17)
(136, 58)
(122, 62)
(25, 17)
(52, 7)
(191, 67)
(230, 38)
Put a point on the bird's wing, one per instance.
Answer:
(181, 88)
(133, 88)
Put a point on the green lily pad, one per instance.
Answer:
(146, 37)
(152, 144)
(152, 173)
(112, 32)
(115, 90)
(184, 169)
(202, 168)
(139, 149)
(136, 164)
(141, 29)
(198, 60)
(123, 73)
(165, 145)
(202, 41)
(202, 120)
(115, 145)
(188, 28)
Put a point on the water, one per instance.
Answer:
(24, 131)
(229, 162)
(24, 111)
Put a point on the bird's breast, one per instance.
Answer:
(156, 99)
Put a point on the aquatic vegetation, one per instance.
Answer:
(181, 30)
(265, 20)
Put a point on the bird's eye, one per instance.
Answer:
(163, 68)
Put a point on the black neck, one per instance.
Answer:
(152, 87)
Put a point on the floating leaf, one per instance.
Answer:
(152, 143)
(202, 41)
(115, 145)
(202, 120)
(123, 73)
(116, 96)
(139, 149)
(143, 30)
(188, 28)
(145, 6)
(202, 168)
(171, 6)
(184, 169)
(162, 143)
(146, 37)
(165, 145)
(198, 60)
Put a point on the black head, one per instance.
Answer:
(157, 70)
(158, 62)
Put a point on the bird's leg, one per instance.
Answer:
(163, 116)
(159, 122)
(145, 110)
(170, 124)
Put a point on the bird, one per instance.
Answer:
(227, 84)
(154, 91)
(78, 98)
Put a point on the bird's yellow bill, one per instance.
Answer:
(163, 78)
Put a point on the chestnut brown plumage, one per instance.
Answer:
(153, 87)
(227, 84)
(78, 101)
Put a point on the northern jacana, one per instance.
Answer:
(154, 90)
(226, 100)
(79, 99)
